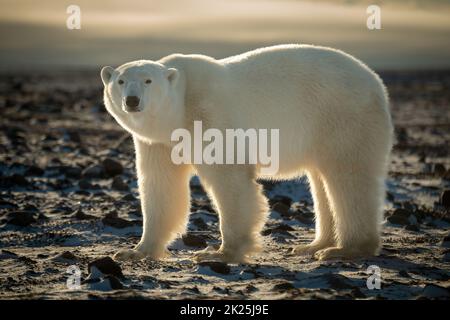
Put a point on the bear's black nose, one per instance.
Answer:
(132, 101)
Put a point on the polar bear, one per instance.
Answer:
(334, 126)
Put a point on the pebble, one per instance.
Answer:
(279, 198)
(281, 208)
(412, 227)
(71, 172)
(94, 171)
(439, 169)
(119, 185)
(304, 218)
(390, 196)
(14, 180)
(216, 266)
(435, 291)
(34, 171)
(199, 223)
(84, 184)
(80, 215)
(280, 229)
(337, 281)
(114, 283)
(404, 274)
(112, 167)
(106, 283)
(128, 197)
(400, 216)
(4, 204)
(107, 266)
(21, 218)
(192, 240)
(284, 286)
(113, 220)
(65, 257)
(446, 241)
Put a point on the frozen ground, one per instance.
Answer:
(63, 203)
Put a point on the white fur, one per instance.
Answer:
(335, 126)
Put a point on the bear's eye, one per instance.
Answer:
(148, 81)
(120, 81)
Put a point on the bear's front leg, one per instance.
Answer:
(242, 211)
(164, 193)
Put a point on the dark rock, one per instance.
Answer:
(402, 135)
(83, 193)
(446, 241)
(107, 266)
(21, 218)
(136, 212)
(6, 254)
(42, 216)
(128, 197)
(412, 227)
(357, 293)
(80, 215)
(403, 273)
(445, 198)
(85, 185)
(400, 216)
(74, 136)
(216, 266)
(338, 282)
(18, 180)
(119, 185)
(30, 207)
(26, 260)
(284, 286)
(446, 257)
(250, 288)
(439, 169)
(279, 198)
(281, 208)
(4, 204)
(68, 255)
(200, 223)
(435, 291)
(71, 172)
(281, 229)
(304, 218)
(61, 209)
(192, 240)
(112, 167)
(94, 171)
(113, 220)
(390, 196)
(446, 176)
(409, 206)
(34, 171)
(114, 282)
(65, 257)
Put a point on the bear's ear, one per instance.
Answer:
(172, 75)
(106, 74)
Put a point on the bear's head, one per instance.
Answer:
(143, 97)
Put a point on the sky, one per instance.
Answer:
(33, 34)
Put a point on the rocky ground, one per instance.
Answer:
(68, 201)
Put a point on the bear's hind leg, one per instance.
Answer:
(324, 218)
(242, 210)
(356, 200)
